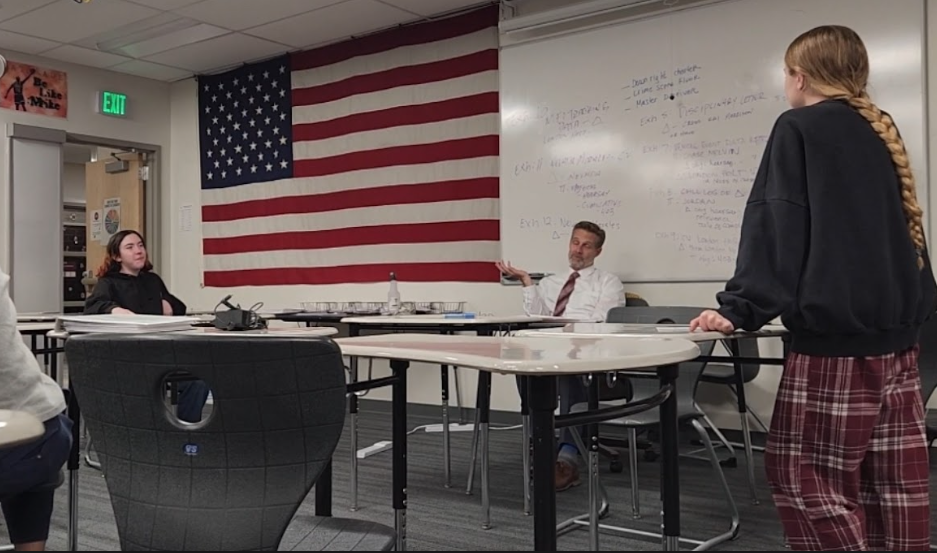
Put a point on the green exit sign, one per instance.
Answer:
(113, 104)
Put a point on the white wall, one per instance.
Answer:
(482, 298)
(148, 104)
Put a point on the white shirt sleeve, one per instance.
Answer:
(611, 294)
(534, 304)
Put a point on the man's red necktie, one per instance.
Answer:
(565, 293)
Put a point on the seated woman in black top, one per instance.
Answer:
(127, 285)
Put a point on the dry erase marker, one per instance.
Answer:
(460, 315)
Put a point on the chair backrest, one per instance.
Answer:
(681, 315)
(634, 300)
(232, 481)
(691, 373)
(748, 347)
(613, 387)
(927, 361)
(652, 314)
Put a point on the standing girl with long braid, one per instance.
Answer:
(832, 242)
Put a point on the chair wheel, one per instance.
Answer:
(731, 462)
(650, 455)
(616, 466)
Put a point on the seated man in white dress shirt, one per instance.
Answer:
(582, 292)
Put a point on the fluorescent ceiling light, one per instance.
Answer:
(569, 13)
(159, 34)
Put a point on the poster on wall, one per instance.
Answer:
(111, 219)
(97, 225)
(33, 89)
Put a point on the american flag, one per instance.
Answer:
(352, 161)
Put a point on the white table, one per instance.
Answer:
(36, 317)
(639, 330)
(436, 320)
(541, 360)
(443, 324)
(18, 427)
(310, 332)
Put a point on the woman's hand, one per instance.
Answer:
(167, 309)
(121, 311)
(712, 320)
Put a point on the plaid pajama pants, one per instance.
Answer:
(846, 457)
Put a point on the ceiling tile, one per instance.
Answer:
(12, 8)
(219, 52)
(165, 4)
(433, 7)
(25, 44)
(242, 14)
(151, 70)
(83, 56)
(353, 17)
(67, 21)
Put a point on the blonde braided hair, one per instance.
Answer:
(835, 63)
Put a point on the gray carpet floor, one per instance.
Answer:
(446, 519)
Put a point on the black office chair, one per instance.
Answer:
(688, 415)
(233, 481)
(724, 374)
(634, 300)
(615, 387)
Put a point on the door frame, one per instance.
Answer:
(152, 210)
(153, 194)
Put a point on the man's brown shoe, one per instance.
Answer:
(566, 475)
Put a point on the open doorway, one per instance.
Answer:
(104, 190)
(51, 234)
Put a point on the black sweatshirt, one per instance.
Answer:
(825, 243)
(142, 294)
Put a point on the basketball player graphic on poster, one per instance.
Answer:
(16, 87)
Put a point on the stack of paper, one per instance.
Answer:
(124, 324)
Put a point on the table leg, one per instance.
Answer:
(52, 345)
(595, 496)
(670, 469)
(736, 352)
(74, 456)
(484, 411)
(446, 464)
(399, 461)
(522, 387)
(542, 401)
(353, 415)
(324, 492)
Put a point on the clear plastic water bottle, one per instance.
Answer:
(393, 296)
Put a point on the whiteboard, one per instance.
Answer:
(654, 128)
